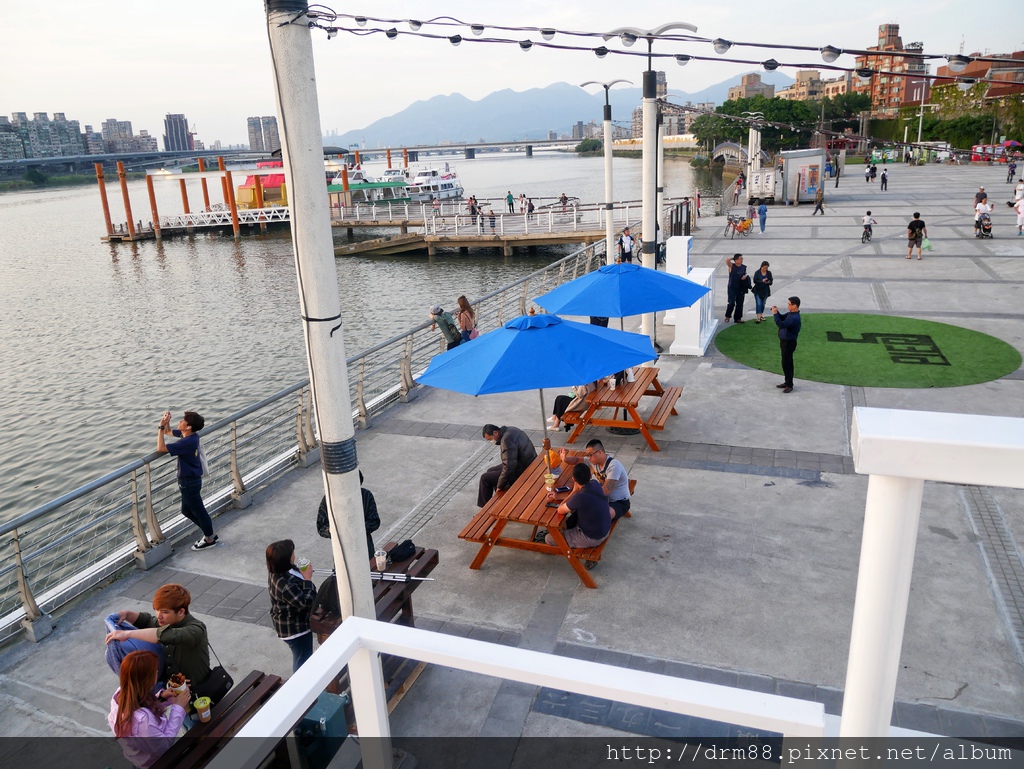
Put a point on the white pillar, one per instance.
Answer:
(891, 515)
(319, 302)
(649, 196)
(609, 219)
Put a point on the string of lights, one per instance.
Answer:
(864, 73)
(829, 53)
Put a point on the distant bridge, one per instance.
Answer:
(736, 153)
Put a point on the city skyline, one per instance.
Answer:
(148, 63)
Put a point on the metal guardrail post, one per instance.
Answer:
(300, 428)
(32, 612)
(236, 474)
(310, 434)
(364, 417)
(406, 382)
(156, 534)
(140, 535)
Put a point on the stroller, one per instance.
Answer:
(984, 226)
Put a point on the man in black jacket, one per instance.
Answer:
(517, 452)
(372, 520)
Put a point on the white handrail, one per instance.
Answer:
(757, 710)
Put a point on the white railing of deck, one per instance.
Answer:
(358, 642)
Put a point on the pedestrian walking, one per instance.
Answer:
(510, 202)
(1010, 171)
(819, 201)
(885, 179)
(916, 233)
(762, 215)
(762, 289)
(867, 174)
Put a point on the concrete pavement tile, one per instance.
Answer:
(590, 710)
(648, 664)
(490, 635)
(711, 675)
(914, 715)
(783, 462)
(612, 657)
(704, 728)
(668, 725)
(755, 683)
(958, 723)
(1003, 727)
(795, 689)
(628, 718)
(576, 651)
(456, 629)
(831, 698)
(222, 587)
(247, 592)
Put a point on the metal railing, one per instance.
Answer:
(56, 552)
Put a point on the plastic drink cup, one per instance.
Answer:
(203, 705)
(381, 557)
(302, 564)
(549, 481)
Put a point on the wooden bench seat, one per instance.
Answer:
(476, 530)
(591, 555)
(665, 407)
(202, 742)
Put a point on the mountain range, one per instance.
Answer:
(509, 115)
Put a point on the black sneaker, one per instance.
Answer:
(203, 543)
(540, 536)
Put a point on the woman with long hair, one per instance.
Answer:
(146, 724)
(467, 318)
(292, 593)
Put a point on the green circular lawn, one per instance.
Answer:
(875, 351)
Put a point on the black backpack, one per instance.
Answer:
(327, 597)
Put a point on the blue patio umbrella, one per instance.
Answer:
(534, 352)
(619, 290)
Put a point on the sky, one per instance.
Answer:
(210, 60)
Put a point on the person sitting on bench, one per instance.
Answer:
(609, 472)
(588, 520)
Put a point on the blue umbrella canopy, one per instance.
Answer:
(533, 352)
(620, 290)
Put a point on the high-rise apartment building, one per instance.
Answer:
(895, 66)
(11, 146)
(660, 85)
(263, 135)
(41, 137)
(176, 134)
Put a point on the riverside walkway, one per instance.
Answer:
(739, 564)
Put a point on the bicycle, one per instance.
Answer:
(865, 237)
(738, 224)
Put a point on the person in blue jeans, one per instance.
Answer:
(190, 471)
(762, 215)
(762, 289)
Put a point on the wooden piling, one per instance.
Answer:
(235, 226)
(127, 201)
(206, 191)
(152, 207)
(103, 198)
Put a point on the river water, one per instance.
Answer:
(99, 339)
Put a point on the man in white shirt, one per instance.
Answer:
(982, 207)
(626, 246)
(609, 472)
(1019, 208)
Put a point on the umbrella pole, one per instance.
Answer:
(544, 421)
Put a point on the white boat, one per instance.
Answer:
(363, 189)
(429, 183)
(395, 175)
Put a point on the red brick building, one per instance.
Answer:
(889, 92)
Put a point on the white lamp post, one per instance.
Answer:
(628, 36)
(609, 220)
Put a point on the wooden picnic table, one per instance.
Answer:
(627, 398)
(526, 502)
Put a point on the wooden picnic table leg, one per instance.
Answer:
(485, 548)
(639, 423)
(574, 561)
(584, 420)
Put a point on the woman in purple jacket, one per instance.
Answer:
(145, 724)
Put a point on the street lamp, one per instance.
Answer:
(609, 220)
(650, 111)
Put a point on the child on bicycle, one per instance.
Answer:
(867, 221)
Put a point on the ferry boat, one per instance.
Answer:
(364, 190)
(360, 189)
(429, 183)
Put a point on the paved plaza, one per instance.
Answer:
(739, 564)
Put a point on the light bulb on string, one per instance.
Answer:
(770, 65)
(600, 52)
(526, 45)
(391, 34)
(627, 39)
(958, 62)
(360, 20)
(721, 45)
(682, 59)
(455, 39)
(415, 25)
(477, 29)
(830, 53)
(547, 34)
